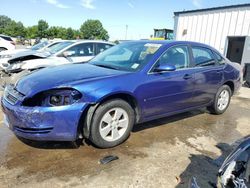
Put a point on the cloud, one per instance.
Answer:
(88, 4)
(57, 4)
(131, 5)
(197, 3)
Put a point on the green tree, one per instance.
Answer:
(4, 21)
(42, 28)
(93, 29)
(69, 33)
(62, 32)
(77, 34)
(53, 32)
(32, 32)
(15, 29)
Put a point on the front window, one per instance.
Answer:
(39, 45)
(177, 56)
(58, 47)
(129, 56)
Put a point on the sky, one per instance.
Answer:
(140, 17)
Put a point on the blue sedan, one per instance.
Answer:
(130, 83)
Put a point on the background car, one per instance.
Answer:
(127, 84)
(6, 43)
(63, 53)
(25, 53)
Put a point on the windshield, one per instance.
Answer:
(39, 45)
(131, 56)
(58, 47)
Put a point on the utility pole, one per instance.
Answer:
(126, 32)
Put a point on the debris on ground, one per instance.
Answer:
(108, 159)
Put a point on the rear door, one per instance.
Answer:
(208, 76)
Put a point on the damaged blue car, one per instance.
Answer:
(130, 83)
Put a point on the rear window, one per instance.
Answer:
(6, 38)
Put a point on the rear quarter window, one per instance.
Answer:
(219, 58)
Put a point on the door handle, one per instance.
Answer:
(187, 76)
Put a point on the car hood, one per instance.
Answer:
(27, 55)
(12, 52)
(61, 76)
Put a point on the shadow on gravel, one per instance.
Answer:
(204, 168)
(52, 144)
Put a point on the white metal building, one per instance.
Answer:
(225, 28)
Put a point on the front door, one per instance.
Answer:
(168, 92)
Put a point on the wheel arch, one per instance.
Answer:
(230, 84)
(87, 114)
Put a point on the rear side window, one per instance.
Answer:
(203, 56)
(6, 38)
(100, 47)
(80, 50)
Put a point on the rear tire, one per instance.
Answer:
(112, 123)
(221, 101)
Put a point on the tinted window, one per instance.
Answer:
(202, 56)
(79, 50)
(177, 56)
(100, 47)
(6, 38)
(219, 58)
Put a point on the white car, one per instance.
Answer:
(63, 53)
(6, 43)
(6, 55)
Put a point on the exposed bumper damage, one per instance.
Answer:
(43, 123)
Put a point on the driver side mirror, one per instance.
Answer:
(165, 68)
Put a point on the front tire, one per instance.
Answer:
(221, 101)
(111, 123)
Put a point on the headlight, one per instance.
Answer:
(55, 97)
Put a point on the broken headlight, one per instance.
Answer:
(55, 97)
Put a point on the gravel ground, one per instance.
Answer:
(162, 153)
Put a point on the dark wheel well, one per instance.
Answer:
(129, 99)
(86, 117)
(231, 85)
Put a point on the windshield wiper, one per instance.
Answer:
(106, 66)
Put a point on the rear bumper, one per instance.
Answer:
(44, 123)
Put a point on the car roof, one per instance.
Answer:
(172, 43)
(92, 41)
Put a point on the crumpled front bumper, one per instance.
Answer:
(44, 123)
